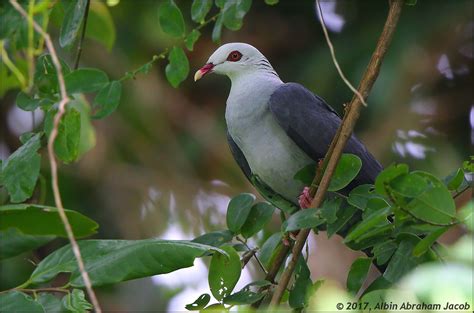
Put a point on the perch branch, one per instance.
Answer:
(52, 159)
(344, 133)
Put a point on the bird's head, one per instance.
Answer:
(233, 59)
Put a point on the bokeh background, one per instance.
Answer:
(161, 166)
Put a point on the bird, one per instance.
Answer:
(275, 129)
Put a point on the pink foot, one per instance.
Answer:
(305, 198)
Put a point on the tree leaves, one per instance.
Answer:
(238, 211)
(307, 218)
(435, 205)
(13, 242)
(107, 99)
(85, 80)
(113, 261)
(72, 21)
(199, 303)
(199, 10)
(46, 79)
(15, 301)
(191, 39)
(33, 219)
(215, 239)
(178, 67)
(358, 274)
(260, 214)
(347, 169)
(171, 19)
(21, 170)
(224, 273)
(24, 102)
(100, 25)
(76, 302)
(234, 12)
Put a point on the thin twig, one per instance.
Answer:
(52, 158)
(346, 129)
(333, 55)
(37, 290)
(84, 26)
(254, 254)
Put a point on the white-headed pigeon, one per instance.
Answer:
(275, 129)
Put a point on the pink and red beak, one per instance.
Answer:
(203, 71)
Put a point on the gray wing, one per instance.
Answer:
(239, 157)
(311, 123)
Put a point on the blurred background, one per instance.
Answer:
(161, 166)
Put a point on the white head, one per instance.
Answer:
(233, 59)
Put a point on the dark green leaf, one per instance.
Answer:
(347, 169)
(217, 30)
(66, 145)
(238, 211)
(456, 180)
(46, 76)
(50, 303)
(24, 102)
(298, 294)
(85, 80)
(389, 174)
(216, 307)
(360, 195)
(307, 218)
(368, 223)
(72, 21)
(258, 283)
(191, 39)
(408, 185)
(410, 2)
(178, 67)
(200, 303)
(260, 214)
(113, 261)
(271, 196)
(33, 219)
(25, 137)
(378, 284)
(435, 205)
(21, 170)
(76, 302)
(100, 25)
(344, 215)
(234, 12)
(403, 260)
(171, 19)
(425, 244)
(358, 274)
(268, 249)
(384, 251)
(306, 174)
(224, 273)
(15, 301)
(11, 21)
(199, 10)
(243, 297)
(215, 238)
(330, 208)
(108, 99)
(271, 2)
(13, 242)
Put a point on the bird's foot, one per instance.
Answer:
(305, 199)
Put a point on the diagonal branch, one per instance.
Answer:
(52, 159)
(344, 133)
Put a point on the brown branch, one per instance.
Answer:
(345, 131)
(52, 158)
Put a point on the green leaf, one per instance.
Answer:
(216, 307)
(330, 208)
(344, 215)
(347, 169)
(66, 145)
(15, 301)
(25, 137)
(403, 260)
(13, 242)
(24, 102)
(224, 273)
(384, 251)
(410, 2)
(389, 174)
(378, 284)
(49, 302)
(260, 214)
(372, 220)
(243, 297)
(215, 238)
(178, 67)
(435, 205)
(108, 99)
(21, 170)
(87, 133)
(271, 196)
(191, 39)
(100, 25)
(33, 219)
(171, 19)
(408, 185)
(234, 12)
(72, 22)
(360, 195)
(199, 10)
(302, 219)
(306, 174)
(425, 244)
(358, 274)
(76, 302)
(199, 303)
(113, 261)
(46, 78)
(466, 215)
(217, 30)
(85, 80)
(456, 180)
(238, 211)
(271, 2)
(269, 248)
(298, 294)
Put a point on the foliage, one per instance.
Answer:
(397, 220)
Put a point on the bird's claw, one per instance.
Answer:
(305, 199)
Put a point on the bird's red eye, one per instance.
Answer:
(234, 56)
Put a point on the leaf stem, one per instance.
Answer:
(11, 66)
(254, 254)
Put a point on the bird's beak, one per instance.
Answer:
(203, 71)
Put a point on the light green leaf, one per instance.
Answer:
(308, 218)
(389, 174)
(217, 30)
(21, 170)
(76, 302)
(357, 274)
(224, 273)
(100, 25)
(113, 261)
(384, 251)
(72, 21)
(33, 219)
(24, 102)
(347, 169)
(330, 208)
(199, 303)
(85, 80)
(234, 12)
(171, 19)
(13, 242)
(178, 67)
(403, 260)
(260, 214)
(456, 180)
(215, 238)
(435, 205)
(372, 220)
(191, 39)
(87, 134)
(306, 174)
(15, 301)
(271, 2)
(107, 99)
(360, 195)
(408, 185)
(199, 10)
(243, 297)
(238, 211)
(425, 244)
